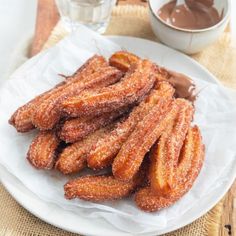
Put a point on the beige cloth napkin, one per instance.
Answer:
(219, 58)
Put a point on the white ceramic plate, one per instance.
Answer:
(68, 220)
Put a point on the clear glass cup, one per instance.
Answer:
(94, 14)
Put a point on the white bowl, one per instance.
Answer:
(185, 40)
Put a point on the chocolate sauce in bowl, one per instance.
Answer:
(194, 14)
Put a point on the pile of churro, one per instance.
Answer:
(125, 115)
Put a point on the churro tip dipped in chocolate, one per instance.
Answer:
(184, 85)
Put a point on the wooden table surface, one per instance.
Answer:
(47, 17)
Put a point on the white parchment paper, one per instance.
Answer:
(215, 114)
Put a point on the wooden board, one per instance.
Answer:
(47, 17)
(228, 224)
(139, 2)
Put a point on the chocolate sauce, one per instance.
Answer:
(184, 86)
(194, 14)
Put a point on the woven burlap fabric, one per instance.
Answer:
(16, 221)
(219, 58)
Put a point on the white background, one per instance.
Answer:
(17, 21)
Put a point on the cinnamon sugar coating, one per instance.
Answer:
(136, 83)
(191, 161)
(107, 148)
(43, 150)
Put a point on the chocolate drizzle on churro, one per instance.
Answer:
(185, 87)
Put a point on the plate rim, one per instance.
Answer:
(166, 229)
(211, 76)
